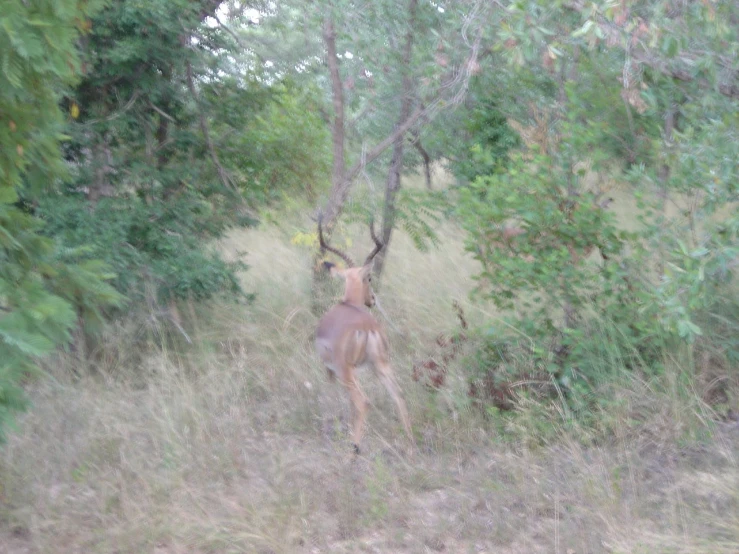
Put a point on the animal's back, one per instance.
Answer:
(343, 335)
(343, 316)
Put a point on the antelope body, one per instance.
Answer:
(348, 336)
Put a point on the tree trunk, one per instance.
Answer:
(392, 184)
(342, 178)
(102, 168)
(338, 173)
(222, 174)
(162, 133)
(320, 284)
(425, 156)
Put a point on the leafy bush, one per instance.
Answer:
(271, 138)
(550, 257)
(489, 139)
(170, 146)
(45, 287)
(582, 299)
(156, 247)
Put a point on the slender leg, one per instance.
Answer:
(359, 405)
(387, 377)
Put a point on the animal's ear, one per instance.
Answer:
(333, 269)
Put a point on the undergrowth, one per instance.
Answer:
(225, 435)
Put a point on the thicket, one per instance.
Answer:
(134, 135)
(587, 293)
(171, 147)
(131, 140)
(44, 284)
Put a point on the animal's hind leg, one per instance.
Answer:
(387, 377)
(359, 408)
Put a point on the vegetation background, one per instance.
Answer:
(557, 187)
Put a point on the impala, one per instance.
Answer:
(348, 337)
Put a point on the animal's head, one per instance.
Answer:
(358, 279)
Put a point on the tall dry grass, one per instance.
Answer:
(237, 441)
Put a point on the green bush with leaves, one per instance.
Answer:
(583, 299)
(45, 287)
(147, 193)
(171, 146)
(489, 138)
(550, 257)
(154, 249)
(643, 94)
(272, 139)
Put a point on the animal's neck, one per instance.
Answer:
(353, 297)
(359, 307)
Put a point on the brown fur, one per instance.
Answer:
(349, 336)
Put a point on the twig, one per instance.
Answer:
(180, 329)
(206, 133)
(230, 32)
(162, 112)
(115, 115)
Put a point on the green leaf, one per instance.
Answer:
(32, 344)
(8, 195)
(584, 29)
(670, 45)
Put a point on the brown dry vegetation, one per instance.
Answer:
(237, 442)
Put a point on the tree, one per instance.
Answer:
(391, 67)
(44, 285)
(173, 143)
(640, 92)
(359, 62)
(148, 189)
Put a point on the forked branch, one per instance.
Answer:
(378, 243)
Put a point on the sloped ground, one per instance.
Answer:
(237, 444)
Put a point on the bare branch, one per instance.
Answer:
(206, 133)
(115, 115)
(729, 89)
(456, 88)
(425, 155)
(162, 112)
(337, 89)
(378, 243)
(230, 32)
(645, 56)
